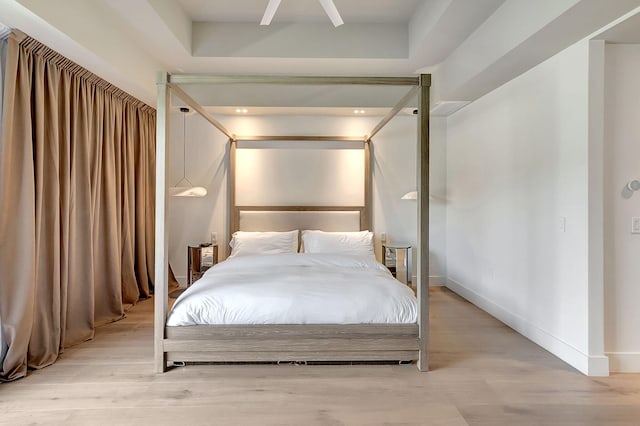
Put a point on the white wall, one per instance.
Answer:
(394, 174)
(192, 220)
(622, 249)
(517, 166)
(438, 203)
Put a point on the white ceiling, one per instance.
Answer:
(470, 46)
(628, 31)
(352, 11)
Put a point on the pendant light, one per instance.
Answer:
(411, 195)
(180, 189)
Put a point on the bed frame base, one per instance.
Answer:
(272, 343)
(347, 357)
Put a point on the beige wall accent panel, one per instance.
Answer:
(300, 173)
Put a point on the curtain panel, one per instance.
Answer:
(77, 179)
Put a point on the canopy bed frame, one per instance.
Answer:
(303, 342)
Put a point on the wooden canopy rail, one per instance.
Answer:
(300, 138)
(325, 342)
(293, 80)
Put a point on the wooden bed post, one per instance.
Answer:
(423, 221)
(365, 217)
(233, 211)
(161, 285)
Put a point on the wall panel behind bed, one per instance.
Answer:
(282, 185)
(298, 173)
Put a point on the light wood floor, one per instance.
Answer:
(483, 374)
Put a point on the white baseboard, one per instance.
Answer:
(598, 365)
(624, 362)
(589, 365)
(182, 279)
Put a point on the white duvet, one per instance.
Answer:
(296, 289)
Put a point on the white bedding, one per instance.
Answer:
(296, 289)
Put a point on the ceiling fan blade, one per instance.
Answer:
(270, 12)
(332, 12)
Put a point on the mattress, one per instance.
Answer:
(296, 289)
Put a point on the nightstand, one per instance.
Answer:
(397, 257)
(199, 259)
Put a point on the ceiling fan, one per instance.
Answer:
(328, 6)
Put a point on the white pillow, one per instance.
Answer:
(354, 243)
(248, 243)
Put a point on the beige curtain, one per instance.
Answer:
(77, 162)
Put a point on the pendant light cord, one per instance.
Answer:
(190, 191)
(184, 148)
(184, 144)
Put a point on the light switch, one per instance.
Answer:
(635, 225)
(383, 237)
(563, 224)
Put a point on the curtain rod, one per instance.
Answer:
(39, 49)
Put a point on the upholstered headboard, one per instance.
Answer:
(297, 217)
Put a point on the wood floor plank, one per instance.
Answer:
(483, 373)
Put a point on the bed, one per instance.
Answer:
(312, 336)
(292, 291)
